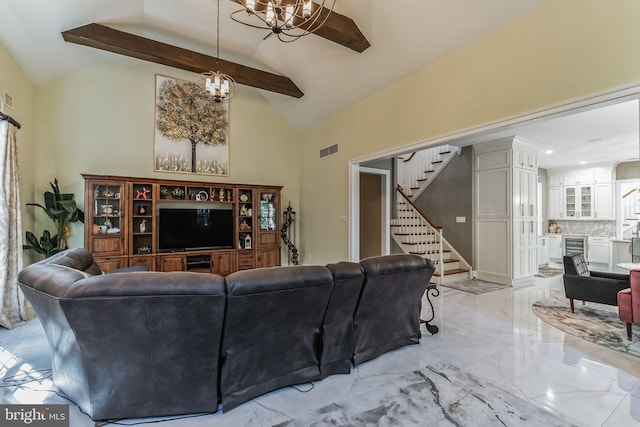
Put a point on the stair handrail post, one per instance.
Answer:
(440, 254)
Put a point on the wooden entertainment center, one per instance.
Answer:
(122, 218)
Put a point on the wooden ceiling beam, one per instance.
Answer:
(339, 29)
(102, 37)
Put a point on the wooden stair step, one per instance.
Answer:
(417, 253)
(450, 272)
(422, 180)
(436, 162)
(445, 152)
(429, 171)
(450, 260)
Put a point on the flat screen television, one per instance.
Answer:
(190, 229)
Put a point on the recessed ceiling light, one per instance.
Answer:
(548, 152)
(583, 162)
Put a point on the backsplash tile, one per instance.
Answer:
(589, 228)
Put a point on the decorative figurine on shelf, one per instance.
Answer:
(221, 194)
(247, 241)
(142, 209)
(244, 226)
(143, 226)
(142, 194)
(229, 195)
(243, 210)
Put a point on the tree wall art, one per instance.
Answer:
(191, 129)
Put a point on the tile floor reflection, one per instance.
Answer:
(493, 336)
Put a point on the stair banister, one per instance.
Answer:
(438, 229)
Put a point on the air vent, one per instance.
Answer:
(329, 150)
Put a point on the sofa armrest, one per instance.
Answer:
(595, 289)
(608, 275)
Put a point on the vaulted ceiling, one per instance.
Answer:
(405, 35)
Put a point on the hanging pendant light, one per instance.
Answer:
(287, 19)
(220, 86)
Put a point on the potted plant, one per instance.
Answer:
(62, 209)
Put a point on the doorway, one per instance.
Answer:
(374, 211)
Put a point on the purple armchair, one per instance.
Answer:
(629, 302)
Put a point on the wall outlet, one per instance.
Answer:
(461, 219)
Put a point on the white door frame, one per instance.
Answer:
(354, 210)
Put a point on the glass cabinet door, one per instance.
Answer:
(585, 201)
(107, 209)
(268, 211)
(570, 202)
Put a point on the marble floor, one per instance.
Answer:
(493, 336)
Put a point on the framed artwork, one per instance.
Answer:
(191, 129)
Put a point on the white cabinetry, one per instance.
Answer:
(554, 207)
(543, 250)
(555, 247)
(580, 194)
(599, 250)
(555, 179)
(603, 201)
(505, 199)
(578, 202)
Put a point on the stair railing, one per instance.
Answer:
(411, 228)
(288, 234)
(422, 166)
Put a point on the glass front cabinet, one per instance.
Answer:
(268, 228)
(105, 222)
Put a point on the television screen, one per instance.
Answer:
(189, 229)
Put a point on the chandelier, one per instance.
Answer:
(287, 19)
(221, 86)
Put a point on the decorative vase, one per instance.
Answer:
(143, 226)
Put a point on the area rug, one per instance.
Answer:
(549, 272)
(476, 286)
(598, 323)
(440, 395)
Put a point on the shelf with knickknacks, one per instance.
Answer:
(141, 217)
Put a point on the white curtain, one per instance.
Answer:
(11, 298)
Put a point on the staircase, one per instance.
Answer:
(418, 170)
(630, 207)
(411, 230)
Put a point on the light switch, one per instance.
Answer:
(461, 219)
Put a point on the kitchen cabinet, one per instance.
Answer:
(555, 247)
(580, 194)
(578, 177)
(620, 252)
(554, 179)
(505, 200)
(555, 207)
(602, 175)
(543, 250)
(599, 250)
(525, 190)
(603, 201)
(578, 202)
(525, 159)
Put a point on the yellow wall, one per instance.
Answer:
(559, 52)
(100, 120)
(15, 82)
